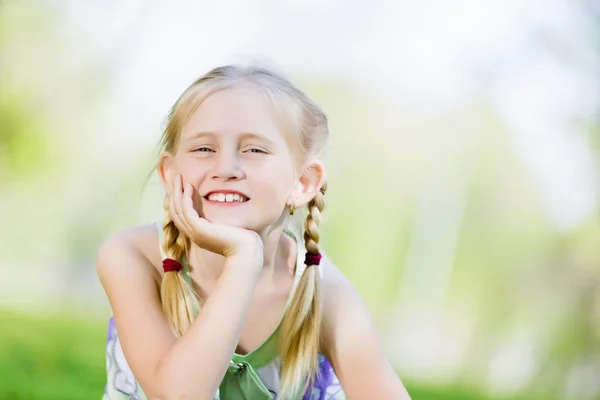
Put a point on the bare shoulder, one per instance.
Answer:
(351, 342)
(340, 301)
(128, 267)
(337, 289)
(128, 253)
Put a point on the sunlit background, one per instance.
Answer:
(463, 194)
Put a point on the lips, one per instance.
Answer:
(226, 196)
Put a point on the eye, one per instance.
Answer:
(255, 150)
(203, 149)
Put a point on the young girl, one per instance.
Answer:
(229, 296)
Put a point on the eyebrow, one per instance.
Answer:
(243, 135)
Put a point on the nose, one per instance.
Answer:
(227, 167)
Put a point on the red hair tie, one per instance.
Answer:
(312, 259)
(171, 265)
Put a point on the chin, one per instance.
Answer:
(255, 226)
(229, 221)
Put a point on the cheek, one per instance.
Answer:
(274, 185)
(191, 169)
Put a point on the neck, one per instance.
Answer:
(279, 254)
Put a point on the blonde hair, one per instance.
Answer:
(305, 126)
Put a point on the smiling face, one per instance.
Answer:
(233, 152)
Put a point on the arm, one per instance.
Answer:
(193, 366)
(351, 342)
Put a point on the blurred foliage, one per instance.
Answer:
(513, 271)
(26, 145)
(22, 139)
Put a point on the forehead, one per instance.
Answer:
(234, 111)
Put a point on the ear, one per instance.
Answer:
(167, 170)
(308, 184)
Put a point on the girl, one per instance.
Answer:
(229, 297)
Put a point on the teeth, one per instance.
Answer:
(227, 198)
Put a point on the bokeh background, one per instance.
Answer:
(463, 178)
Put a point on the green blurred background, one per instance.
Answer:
(463, 194)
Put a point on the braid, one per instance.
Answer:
(178, 297)
(302, 324)
(174, 244)
(313, 220)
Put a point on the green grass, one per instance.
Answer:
(62, 357)
(419, 392)
(51, 357)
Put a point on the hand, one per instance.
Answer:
(218, 238)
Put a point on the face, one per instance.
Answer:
(233, 153)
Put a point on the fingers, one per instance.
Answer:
(172, 210)
(175, 205)
(191, 216)
(183, 215)
(187, 203)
